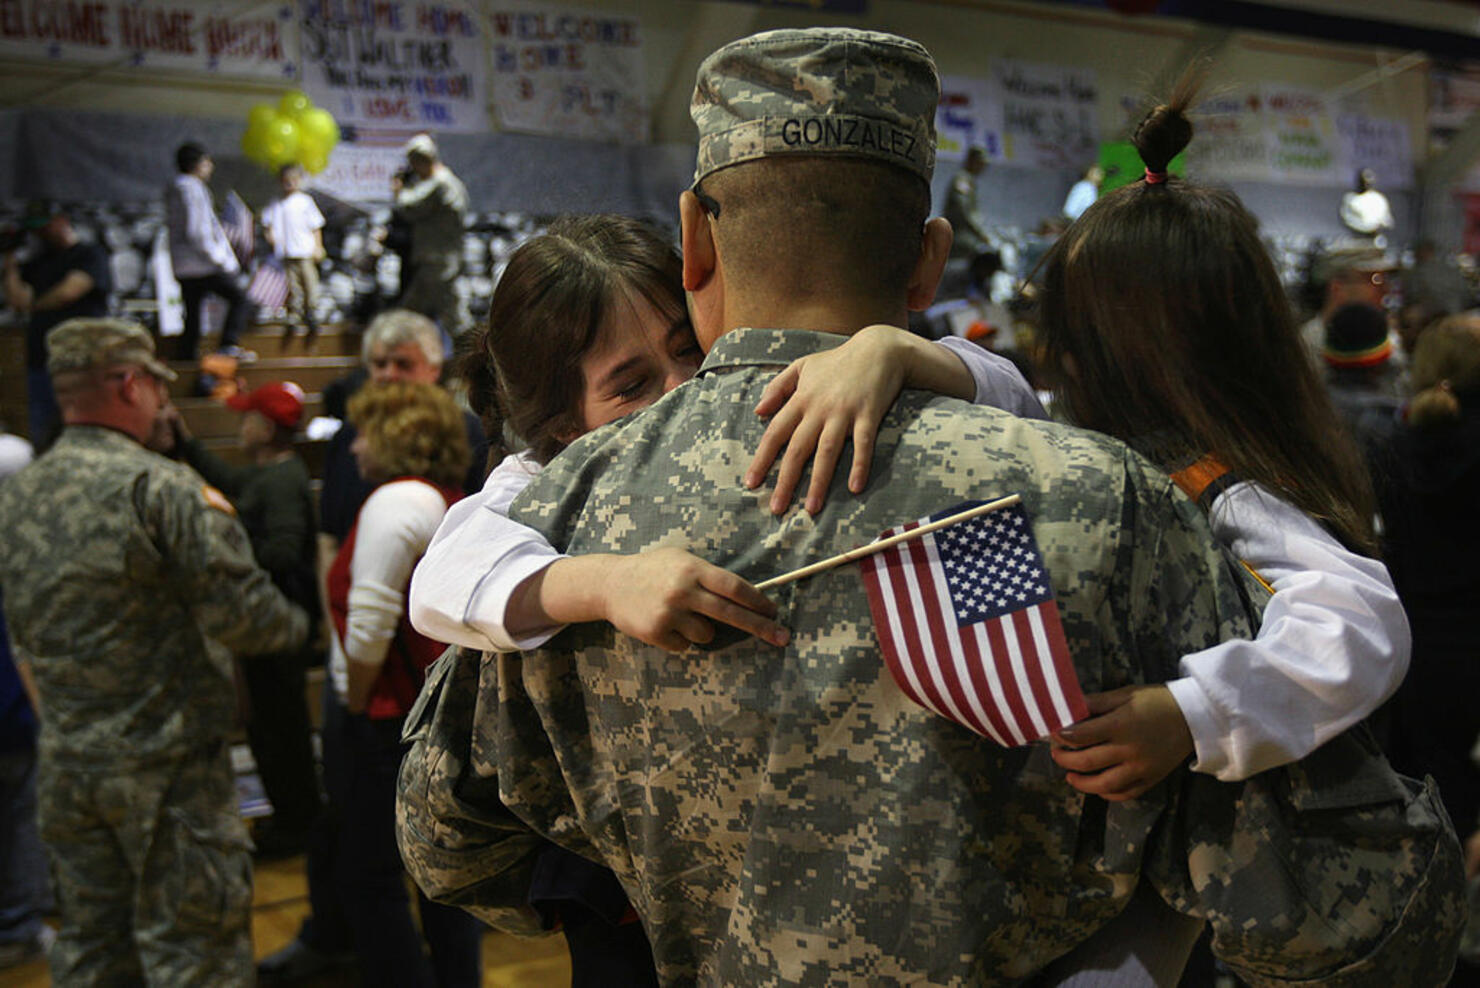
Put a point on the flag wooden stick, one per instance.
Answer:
(880, 545)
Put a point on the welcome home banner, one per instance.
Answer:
(394, 64)
(569, 72)
(189, 35)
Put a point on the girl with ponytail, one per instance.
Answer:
(1166, 325)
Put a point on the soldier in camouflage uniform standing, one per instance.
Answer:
(129, 583)
(787, 814)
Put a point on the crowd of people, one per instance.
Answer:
(562, 688)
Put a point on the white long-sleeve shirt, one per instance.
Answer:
(1333, 645)
(394, 526)
(198, 245)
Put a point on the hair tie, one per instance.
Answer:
(1155, 178)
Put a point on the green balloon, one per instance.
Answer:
(295, 103)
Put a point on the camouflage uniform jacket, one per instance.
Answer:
(788, 815)
(126, 581)
(970, 234)
(435, 207)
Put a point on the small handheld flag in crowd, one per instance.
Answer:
(967, 620)
(268, 288)
(238, 224)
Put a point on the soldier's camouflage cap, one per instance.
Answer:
(80, 344)
(817, 91)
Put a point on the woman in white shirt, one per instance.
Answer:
(412, 441)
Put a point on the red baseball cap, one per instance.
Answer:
(281, 401)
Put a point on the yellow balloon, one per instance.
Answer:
(260, 115)
(252, 146)
(319, 125)
(295, 103)
(313, 160)
(281, 142)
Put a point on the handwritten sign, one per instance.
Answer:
(969, 114)
(211, 38)
(1302, 140)
(1050, 114)
(1377, 143)
(569, 72)
(395, 64)
(1454, 98)
(361, 173)
(1230, 141)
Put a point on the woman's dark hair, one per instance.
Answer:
(523, 368)
(1165, 324)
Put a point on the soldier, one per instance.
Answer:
(961, 211)
(433, 202)
(788, 810)
(128, 583)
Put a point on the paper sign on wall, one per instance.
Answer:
(1302, 140)
(969, 114)
(394, 64)
(212, 38)
(568, 72)
(1050, 113)
(1230, 141)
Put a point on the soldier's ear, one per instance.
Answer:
(699, 255)
(935, 248)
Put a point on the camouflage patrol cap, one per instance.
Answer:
(80, 344)
(817, 91)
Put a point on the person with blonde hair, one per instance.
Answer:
(411, 441)
(1431, 533)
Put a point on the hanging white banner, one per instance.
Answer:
(569, 72)
(395, 65)
(188, 35)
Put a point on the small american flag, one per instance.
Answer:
(237, 223)
(268, 288)
(970, 629)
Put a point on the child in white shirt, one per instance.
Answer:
(295, 229)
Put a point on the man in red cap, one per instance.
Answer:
(272, 496)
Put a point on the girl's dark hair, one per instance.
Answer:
(523, 367)
(1166, 325)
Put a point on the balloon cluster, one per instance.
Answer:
(294, 131)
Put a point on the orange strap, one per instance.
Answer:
(1200, 476)
(1195, 481)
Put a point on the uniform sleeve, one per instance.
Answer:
(1183, 593)
(421, 199)
(459, 842)
(998, 381)
(1333, 645)
(394, 527)
(230, 596)
(460, 591)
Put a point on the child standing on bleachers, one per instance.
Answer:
(295, 229)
